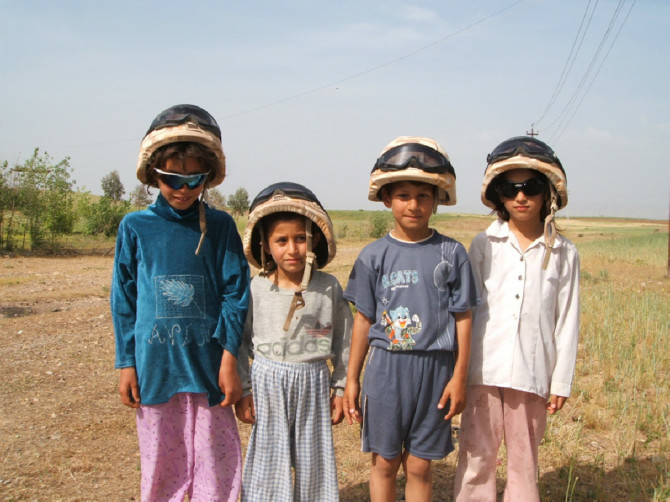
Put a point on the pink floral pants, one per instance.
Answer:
(188, 447)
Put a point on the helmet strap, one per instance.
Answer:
(550, 227)
(203, 226)
(298, 301)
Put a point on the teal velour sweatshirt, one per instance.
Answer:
(174, 312)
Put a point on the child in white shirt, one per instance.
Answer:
(524, 333)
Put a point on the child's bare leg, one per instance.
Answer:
(383, 477)
(419, 474)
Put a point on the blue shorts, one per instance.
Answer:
(401, 391)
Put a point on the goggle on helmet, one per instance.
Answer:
(183, 123)
(295, 198)
(414, 158)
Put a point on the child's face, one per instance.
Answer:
(522, 208)
(184, 197)
(286, 241)
(412, 205)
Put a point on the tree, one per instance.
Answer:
(103, 216)
(44, 196)
(239, 202)
(112, 186)
(140, 197)
(216, 199)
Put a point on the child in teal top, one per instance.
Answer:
(179, 299)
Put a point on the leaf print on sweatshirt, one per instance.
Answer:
(178, 292)
(180, 296)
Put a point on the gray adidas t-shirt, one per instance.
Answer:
(321, 330)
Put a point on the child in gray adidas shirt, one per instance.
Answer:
(298, 320)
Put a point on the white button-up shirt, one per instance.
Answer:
(525, 332)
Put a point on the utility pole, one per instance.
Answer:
(532, 133)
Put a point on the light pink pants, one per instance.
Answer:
(188, 447)
(492, 413)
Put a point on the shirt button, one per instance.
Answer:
(516, 296)
(521, 259)
(520, 277)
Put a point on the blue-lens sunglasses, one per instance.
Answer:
(176, 181)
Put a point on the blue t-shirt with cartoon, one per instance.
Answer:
(410, 290)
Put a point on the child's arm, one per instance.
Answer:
(245, 410)
(359, 349)
(128, 388)
(229, 379)
(566, 333)
(336, 409)
(455, 388)
(342, 326)
(555, 403)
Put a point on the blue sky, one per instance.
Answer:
(311, 91)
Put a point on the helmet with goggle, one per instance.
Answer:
(413, 158)
(523, 152)
(183, 123)
(526, 152)
(293, 198)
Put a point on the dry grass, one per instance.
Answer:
(65, 436)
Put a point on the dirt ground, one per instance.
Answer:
(64, 434)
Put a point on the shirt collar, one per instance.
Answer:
(499, 229)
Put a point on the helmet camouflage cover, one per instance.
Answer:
(182, 123)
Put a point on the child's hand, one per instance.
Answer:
(128, 388)
(555, 403)
(336, 409)
(352, 410)
(245, 410)
(454, 392)
(229, 379)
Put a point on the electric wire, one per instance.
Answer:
(377, 67)
(597, 71)
(571, 59)
(569, 106)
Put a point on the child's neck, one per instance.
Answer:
(411, 235)
(526, 232)
(286, 281)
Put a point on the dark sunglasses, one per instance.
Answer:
(413, 155)
(526, 146)
(287, 189)
(181, 114)
(176, 181)
(530, 187)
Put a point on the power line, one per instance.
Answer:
(575, 101)
(571, 59)
(377, 67)
(559, 134)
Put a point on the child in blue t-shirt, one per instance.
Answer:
(413, 290)
(179, 299)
